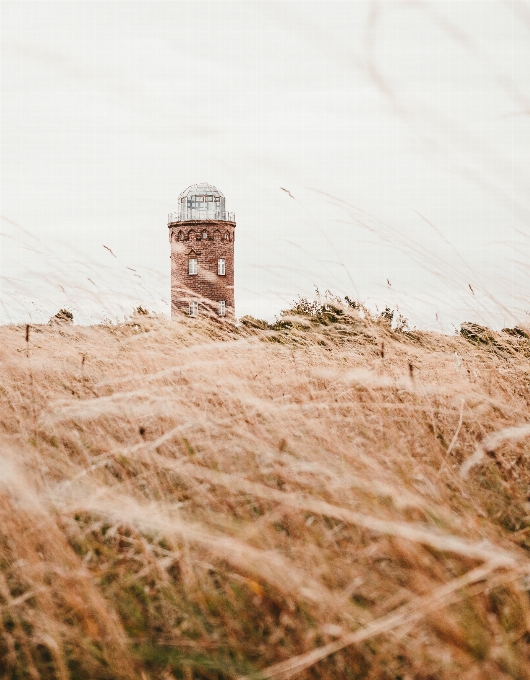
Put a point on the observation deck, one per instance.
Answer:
(201, 215)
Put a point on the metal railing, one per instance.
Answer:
(201, 215)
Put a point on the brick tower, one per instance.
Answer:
(201, 234)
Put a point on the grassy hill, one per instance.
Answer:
(325, 498)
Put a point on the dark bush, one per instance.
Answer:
(478, 335)
(62, 316)
(250, 322)
(517, 332)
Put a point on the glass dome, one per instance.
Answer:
(201, 201)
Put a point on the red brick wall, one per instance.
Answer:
(207, 286)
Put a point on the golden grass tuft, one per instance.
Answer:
(327, 498)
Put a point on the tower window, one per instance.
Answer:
(222, 308)
(221, 266)
(194, 307)
(181, 236)
(227, 236)
(192, 265)
(205, 235)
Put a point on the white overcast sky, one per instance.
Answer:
(402, 129)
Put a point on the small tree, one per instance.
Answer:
(387, 316)
(396, 321)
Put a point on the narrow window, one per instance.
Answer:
(194, 307)
(205, 235)
(227, 236)
(221, 266)
(181, 236)
(222, 308)
(192, 265)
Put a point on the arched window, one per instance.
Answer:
(205, 235)
(191, 234)
(181, 236)
(227, 236)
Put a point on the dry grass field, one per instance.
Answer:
(329, 498)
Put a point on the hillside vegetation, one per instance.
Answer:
(330, 497)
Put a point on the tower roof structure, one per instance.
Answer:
(201, 201)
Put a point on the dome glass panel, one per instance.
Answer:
(201, 202)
